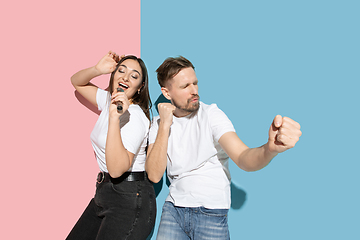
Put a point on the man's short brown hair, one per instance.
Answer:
(170, 67)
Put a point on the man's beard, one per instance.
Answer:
(189, 107)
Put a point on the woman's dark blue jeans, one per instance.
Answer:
(124, 210)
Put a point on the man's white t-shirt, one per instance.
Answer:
(197, 167)
(134, 127)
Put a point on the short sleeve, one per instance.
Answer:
(219, 122)
(101, 98)
(135, 130)
(153, 129)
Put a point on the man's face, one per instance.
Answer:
(182, 91)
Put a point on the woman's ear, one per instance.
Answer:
(140, 88)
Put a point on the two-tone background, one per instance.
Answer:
(255, 59)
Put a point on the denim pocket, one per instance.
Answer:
(126, 196)
(126, 188)
(214, 212)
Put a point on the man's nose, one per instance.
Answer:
(194, 90)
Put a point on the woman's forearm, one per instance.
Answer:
(118, 159)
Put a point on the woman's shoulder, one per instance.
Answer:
(102, 91)
(102, 97)
(136, 110)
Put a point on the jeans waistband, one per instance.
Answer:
(126, 177)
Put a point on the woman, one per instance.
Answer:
(124, 204)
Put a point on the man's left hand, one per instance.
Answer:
(283, 134)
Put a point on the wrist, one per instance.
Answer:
(96, 70)
(164, 125)
(114, 120)
(268, 151)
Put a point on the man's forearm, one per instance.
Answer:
(253, 159)
(157, 158)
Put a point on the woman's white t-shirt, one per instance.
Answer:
(134, 128)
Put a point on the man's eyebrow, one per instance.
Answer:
(187, 84)
(122, 65)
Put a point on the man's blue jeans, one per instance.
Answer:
(183, 223)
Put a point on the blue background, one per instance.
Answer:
(257, 59)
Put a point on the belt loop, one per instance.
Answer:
(100, 177)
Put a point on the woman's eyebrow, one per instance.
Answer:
(130, 69)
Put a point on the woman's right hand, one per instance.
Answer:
(107, 64)
(115, 98)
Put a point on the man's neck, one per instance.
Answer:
(179, 113)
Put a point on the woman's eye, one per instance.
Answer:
(134, 76)
(121, 71)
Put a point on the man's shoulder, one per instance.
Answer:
(208, 107)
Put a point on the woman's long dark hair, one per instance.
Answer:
(142, 98)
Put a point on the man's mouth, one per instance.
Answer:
(122, 85)
(195, 99)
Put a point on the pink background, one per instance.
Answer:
(49, 169)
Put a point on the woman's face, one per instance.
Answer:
(128, 77)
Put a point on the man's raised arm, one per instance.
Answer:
(156, 161)
(283, 135)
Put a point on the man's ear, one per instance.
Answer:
(165, 92)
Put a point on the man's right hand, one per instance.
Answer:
(156, 160)
(166, 113)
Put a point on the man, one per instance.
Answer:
(193, 141)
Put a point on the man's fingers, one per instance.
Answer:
(172, 107)
(286, 122)
(287, 141)
(289, 132)
(290, 127)
(167, 107)
(291, 123)
(278, 120)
